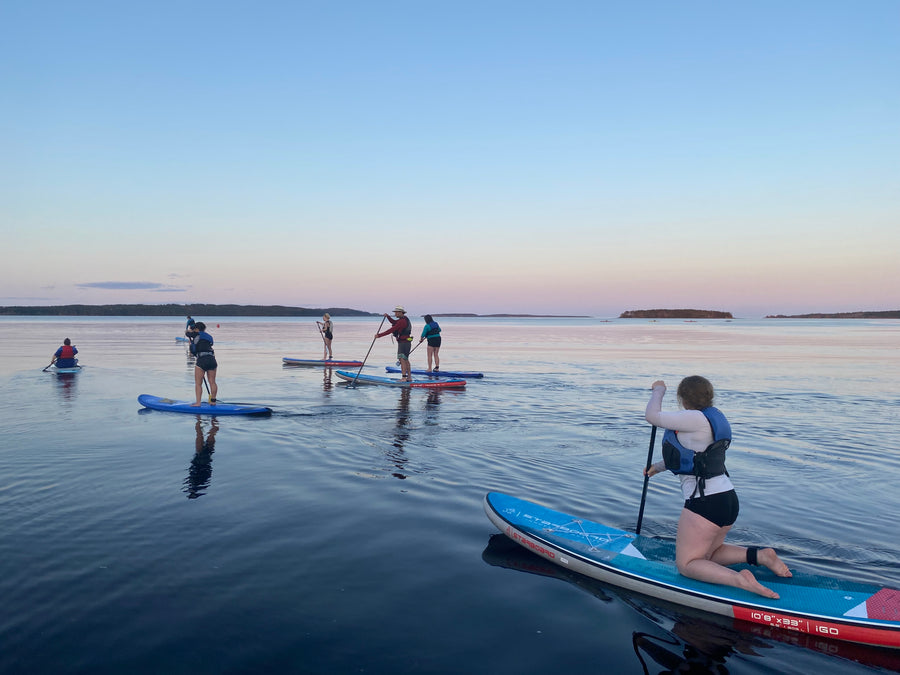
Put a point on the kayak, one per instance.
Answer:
(436, 373)
(205, 408)
(321, 362)
(817, 605)
(432, 383)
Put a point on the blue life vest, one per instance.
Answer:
(433, 329)
(706, 464)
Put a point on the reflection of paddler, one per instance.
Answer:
(200, 470)
(401, 435)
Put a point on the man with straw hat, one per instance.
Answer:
(401, 328)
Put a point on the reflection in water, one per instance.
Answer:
(401, 435)
(694, 641)
(200, 470)
(326, 379)
(65, 385)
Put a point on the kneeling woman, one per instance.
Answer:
(694, 448)
(205, 365)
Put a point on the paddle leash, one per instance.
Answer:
(637, 530)
(353, 384)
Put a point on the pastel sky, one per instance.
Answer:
(488, 156)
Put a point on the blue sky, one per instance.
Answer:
(566, 157)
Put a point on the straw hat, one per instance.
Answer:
(398, 308)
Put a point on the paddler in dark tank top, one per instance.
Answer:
(205, 365)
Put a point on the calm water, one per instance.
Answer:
(345, 534)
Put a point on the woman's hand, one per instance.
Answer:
(654, 469)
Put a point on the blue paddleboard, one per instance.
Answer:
(205, 408)
(819, 606)
(72, 369)
(431, 383)
(436, 373)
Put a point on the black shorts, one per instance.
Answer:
(206, 363)
(403, 347)
(721, 508)
(434, 341)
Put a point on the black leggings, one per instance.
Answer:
(721, 508)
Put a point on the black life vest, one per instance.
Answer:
(404, 331)
(202, 344)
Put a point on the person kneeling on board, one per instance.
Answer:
(65, 355)
(694, 447)
(401, 327)
(205, 365)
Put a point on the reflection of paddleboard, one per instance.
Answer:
(436, 373)
(394, 382)
(167, 404)
(321, 362)
(820, 606)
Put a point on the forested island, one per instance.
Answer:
(180, 310)
(674, 314)
(888, 314)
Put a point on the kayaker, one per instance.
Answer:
(65, 355)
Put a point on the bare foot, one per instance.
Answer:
(195, 405)
(770, 559)
(749, 583)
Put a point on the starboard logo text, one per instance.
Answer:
(525, 541)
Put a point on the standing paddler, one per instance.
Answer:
(401, 329)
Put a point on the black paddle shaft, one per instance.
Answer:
(640, 519)
(367, 353)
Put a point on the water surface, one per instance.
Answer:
(346, 533)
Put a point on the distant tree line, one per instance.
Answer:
(180, 310)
